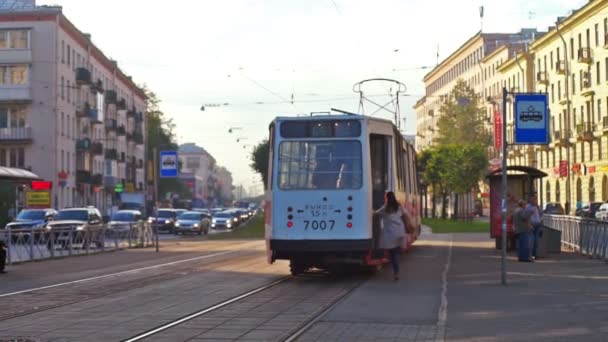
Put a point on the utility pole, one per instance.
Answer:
(156, 202)
(567, 132)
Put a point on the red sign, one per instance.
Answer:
(62, 175)
(563, 168)
(591, 169)
(576, 169)
(41, 185)
(498, 130)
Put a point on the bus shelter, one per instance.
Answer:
(14, 178)
(520, 185)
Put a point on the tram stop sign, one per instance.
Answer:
(531, 119)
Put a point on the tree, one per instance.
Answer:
(259, 159)
(461, 118)
(161, 135)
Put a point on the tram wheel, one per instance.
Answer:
(296, 267)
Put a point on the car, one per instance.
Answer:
(553, 209)
(244, 214)
(588, 209)
(75, 226)
(192, 222)
(202, 210)
(30, 221)
(123, 220)
(216, 210)
(602, 212)
(222, 220)
(236, 216)
(164, 220)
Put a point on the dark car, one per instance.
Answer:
(75, 226)
(554, 209)
(28, 221)
(192, 222)
(164, 220)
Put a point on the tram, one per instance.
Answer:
(327, 175)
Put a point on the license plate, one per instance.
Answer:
(319, 224)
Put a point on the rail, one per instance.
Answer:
(585, 235)
(39, 243)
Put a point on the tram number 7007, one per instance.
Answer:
(319, 224)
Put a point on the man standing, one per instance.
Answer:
(535, 220)
(521, 221)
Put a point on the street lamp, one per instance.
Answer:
(239, 139)
(231, 129)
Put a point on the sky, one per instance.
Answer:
(244, 60)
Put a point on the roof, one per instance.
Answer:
(20, 175)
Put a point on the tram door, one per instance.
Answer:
(379, 153)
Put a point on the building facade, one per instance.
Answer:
(67, 112)
(197, 171)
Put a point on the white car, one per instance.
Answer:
(602, 212)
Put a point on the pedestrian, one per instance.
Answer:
(3, 251)
(523, 229)
(395, 221)
(536, 221)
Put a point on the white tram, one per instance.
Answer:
(326, 176)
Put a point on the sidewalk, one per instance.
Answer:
(560, 298)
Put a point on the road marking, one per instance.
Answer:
(115, 274)
(442, 315)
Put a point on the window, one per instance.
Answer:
(3, 39)
(62, 124)
(62, 52)
(552, 93)
(14, 39)
(599, 110)
(12, 155)
(597, 71)
(597, 34)
(69, 90)
(571, 48)
(21, 157)
(14, 74)
(62, 87)
(67, 130)
(320, 164)
(12, 117)
(69, 54)
(573, 84)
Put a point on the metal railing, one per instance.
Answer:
(585, 235)
(38, 243)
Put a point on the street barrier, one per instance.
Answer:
(585, 235)
(28, 244)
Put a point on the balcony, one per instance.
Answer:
(122, 104)
(584, 132)
(97, 148)
(139, 117)
(110, 96)
(16, 135)
(97, 87)
(82, 111)
(83, 145)
(542, 77)
(121, 158)
(140, 164)
(83, 76)
(15, 94)
(138, 138)
(111, 153)
(587, 85)
(83, 176)
(131, 113)
(97, 179)
(95, 117)
(560, 67)
(585, 55)
(130, 137)
(559, 138)
(111, 125)
(121, 131)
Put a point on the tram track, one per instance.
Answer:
(288, 335)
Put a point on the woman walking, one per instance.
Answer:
(394, 223)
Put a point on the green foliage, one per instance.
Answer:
(461, 118)
(447, 226)
(259, 159)
(161, 135)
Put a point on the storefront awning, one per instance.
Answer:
(19, 175)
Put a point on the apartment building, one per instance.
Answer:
(198, 171)
(571, 65)
(464, 64)
(67, 111)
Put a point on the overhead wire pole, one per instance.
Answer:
(503, 262)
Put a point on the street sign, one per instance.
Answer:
(497, 130)
(168, 164)
(531, 119)
(37, 199)
(119, 188)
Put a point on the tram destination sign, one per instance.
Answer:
(531, 119)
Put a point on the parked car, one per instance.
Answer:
(554, 209)
(164, 220)
(75, 226)
(588, 209)
(34, 220)
(192, 222)
(602, 212)
(123, 220)
(222, 220)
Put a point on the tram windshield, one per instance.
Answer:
(320, 165)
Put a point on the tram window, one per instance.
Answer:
(321, 129)
(320, 165)
(379, 165)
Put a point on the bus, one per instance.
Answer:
(327, 174)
